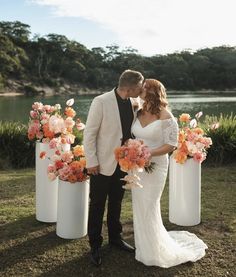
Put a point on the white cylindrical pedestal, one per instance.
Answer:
(72, 211)
(46, 190)
(185, 192)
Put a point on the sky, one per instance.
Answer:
(150, 26)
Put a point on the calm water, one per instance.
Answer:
(17, 108)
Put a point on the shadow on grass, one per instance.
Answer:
(115, 263)
(30, 249)
(21, 227)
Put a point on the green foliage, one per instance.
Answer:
(16, 150)
(223, 150)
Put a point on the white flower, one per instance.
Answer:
(193, 123)
(192, 148)
(80, 126)
(57, 106)
(56, 124)
(70, 102)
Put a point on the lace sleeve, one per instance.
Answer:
(170, 131)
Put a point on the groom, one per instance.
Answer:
(108, 126)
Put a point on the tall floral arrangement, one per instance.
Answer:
(50, 124)
(192, 142)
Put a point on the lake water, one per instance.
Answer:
(17, 108)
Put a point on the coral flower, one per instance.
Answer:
(180, 156)
(198, 131)
(72, 178)
(184, 117)
(78, 150)
(42, 155)
(70, 112)
(181, 137)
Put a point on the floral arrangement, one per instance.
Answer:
(191, 140)
(69, 166)
(133, 156)
(49, 124)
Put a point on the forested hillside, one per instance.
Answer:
(54, 60)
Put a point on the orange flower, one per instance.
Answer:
(183, 147)
(42, 155)
(141, 163)
(78, 150)
(83, 162)
(119, 153)
(184, 117)
(72, 178)
(70, 112)
(180, 156)
(198, 131)
(47, 133)
(63, 140)
(124, 164)
(75, 165)
(181, 137)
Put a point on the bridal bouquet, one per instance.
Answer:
(191, 140)
(49, 124)
(133, 156)
(69, 166)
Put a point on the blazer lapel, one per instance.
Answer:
(115, 110)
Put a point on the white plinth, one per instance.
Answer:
(46, 190)
(185, 192)
(72, 211)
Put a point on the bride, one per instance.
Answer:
(157, 127)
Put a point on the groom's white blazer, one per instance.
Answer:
(103, 132)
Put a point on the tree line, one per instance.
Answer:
(55, 60)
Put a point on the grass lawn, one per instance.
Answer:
(31, 248)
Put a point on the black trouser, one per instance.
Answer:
(101, 187)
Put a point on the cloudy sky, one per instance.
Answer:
(150, 26)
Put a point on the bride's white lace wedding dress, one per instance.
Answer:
(154, 245)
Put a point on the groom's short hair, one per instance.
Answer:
(130, 78)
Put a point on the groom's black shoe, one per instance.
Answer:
(120, 243)
(96, 258)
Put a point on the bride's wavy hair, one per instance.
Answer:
(155, 97)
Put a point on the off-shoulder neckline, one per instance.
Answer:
(153, 121)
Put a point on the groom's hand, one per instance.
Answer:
(93, 170)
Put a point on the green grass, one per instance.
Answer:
(31, 248)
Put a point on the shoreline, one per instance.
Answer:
(98, 92)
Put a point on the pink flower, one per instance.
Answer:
(38, 106)
(199, 157)
(33, 114)
(52, 176)
(193, 123)
(67, 156)
(51, 168)
(54, 143)
(69, 122)
(198, 115)
(80, 126)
